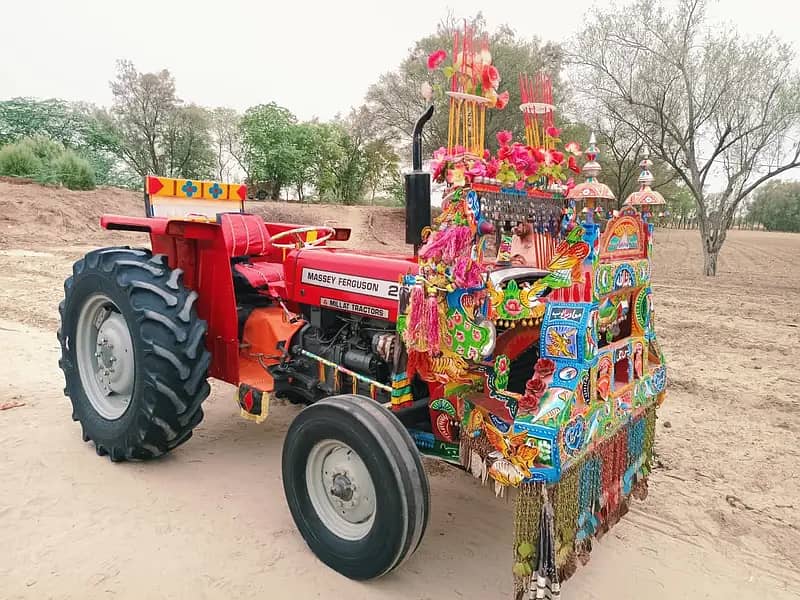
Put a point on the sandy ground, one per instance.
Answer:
(209, 521)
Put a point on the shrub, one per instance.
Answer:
(45, 149)
(72, 171)
(20, 161)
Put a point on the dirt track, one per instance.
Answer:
(210, 521)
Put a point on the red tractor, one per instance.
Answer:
(272, 309)
(538, 374)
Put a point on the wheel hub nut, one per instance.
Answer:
(342, 488)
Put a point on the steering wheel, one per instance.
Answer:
(329, 232)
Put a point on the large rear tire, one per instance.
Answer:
(133, 353)
(355, 486)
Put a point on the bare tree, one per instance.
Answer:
(716, 107)
(228, 153)
(150, 129)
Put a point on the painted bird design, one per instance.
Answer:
(566, 265)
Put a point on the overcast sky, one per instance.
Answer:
(316, 58)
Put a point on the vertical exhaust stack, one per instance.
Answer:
(418, 188)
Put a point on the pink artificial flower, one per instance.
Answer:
(435, 59)
(502, 100)
(531, 168)
(504, 137)
(573, 148)
(570, 184)
(573, 165)
(504, 152)
(491, 168)
(478, 169)
(552, 132)
(490, 77)
(548, 157)
(520, 185)
(459, 150)
(440, 153)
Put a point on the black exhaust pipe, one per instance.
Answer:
(418, 187)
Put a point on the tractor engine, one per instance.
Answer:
(364, 346)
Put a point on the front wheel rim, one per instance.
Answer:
(104, 353)
(341, 489)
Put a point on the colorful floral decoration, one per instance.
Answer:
(545, 375)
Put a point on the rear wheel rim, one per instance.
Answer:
(104, 352)
(341, 489)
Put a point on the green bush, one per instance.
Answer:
(72, 171)
(18, 160)
(47, 162)
(45, 149)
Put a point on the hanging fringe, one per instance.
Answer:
(432, 331)
(416, 317)
(546, 576)
(527, 515)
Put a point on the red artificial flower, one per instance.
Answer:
(502, 100)
(486, 154)
(528, 403)
(504, 152)
(535, 386)
(558, 157)
(544, 367)
(491, 168)
(435, 59)
(538, 155)
(504, 137)
(552, 132)
(573, 165)
(490, 77)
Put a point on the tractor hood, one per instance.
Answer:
(362, 283)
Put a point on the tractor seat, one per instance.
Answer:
(259, 274)
(246, 237)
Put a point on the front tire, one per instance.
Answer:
(133, 353)
(355, 486)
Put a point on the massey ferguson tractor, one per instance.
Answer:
(524, 372)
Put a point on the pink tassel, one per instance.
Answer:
(432, 318)
(417, 316)
(447, 244)
(467, 273)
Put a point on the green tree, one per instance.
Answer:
(270, 152)
(711, 105)
(380, 167)
(777, 206)
(306, 138)
(395, 101)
